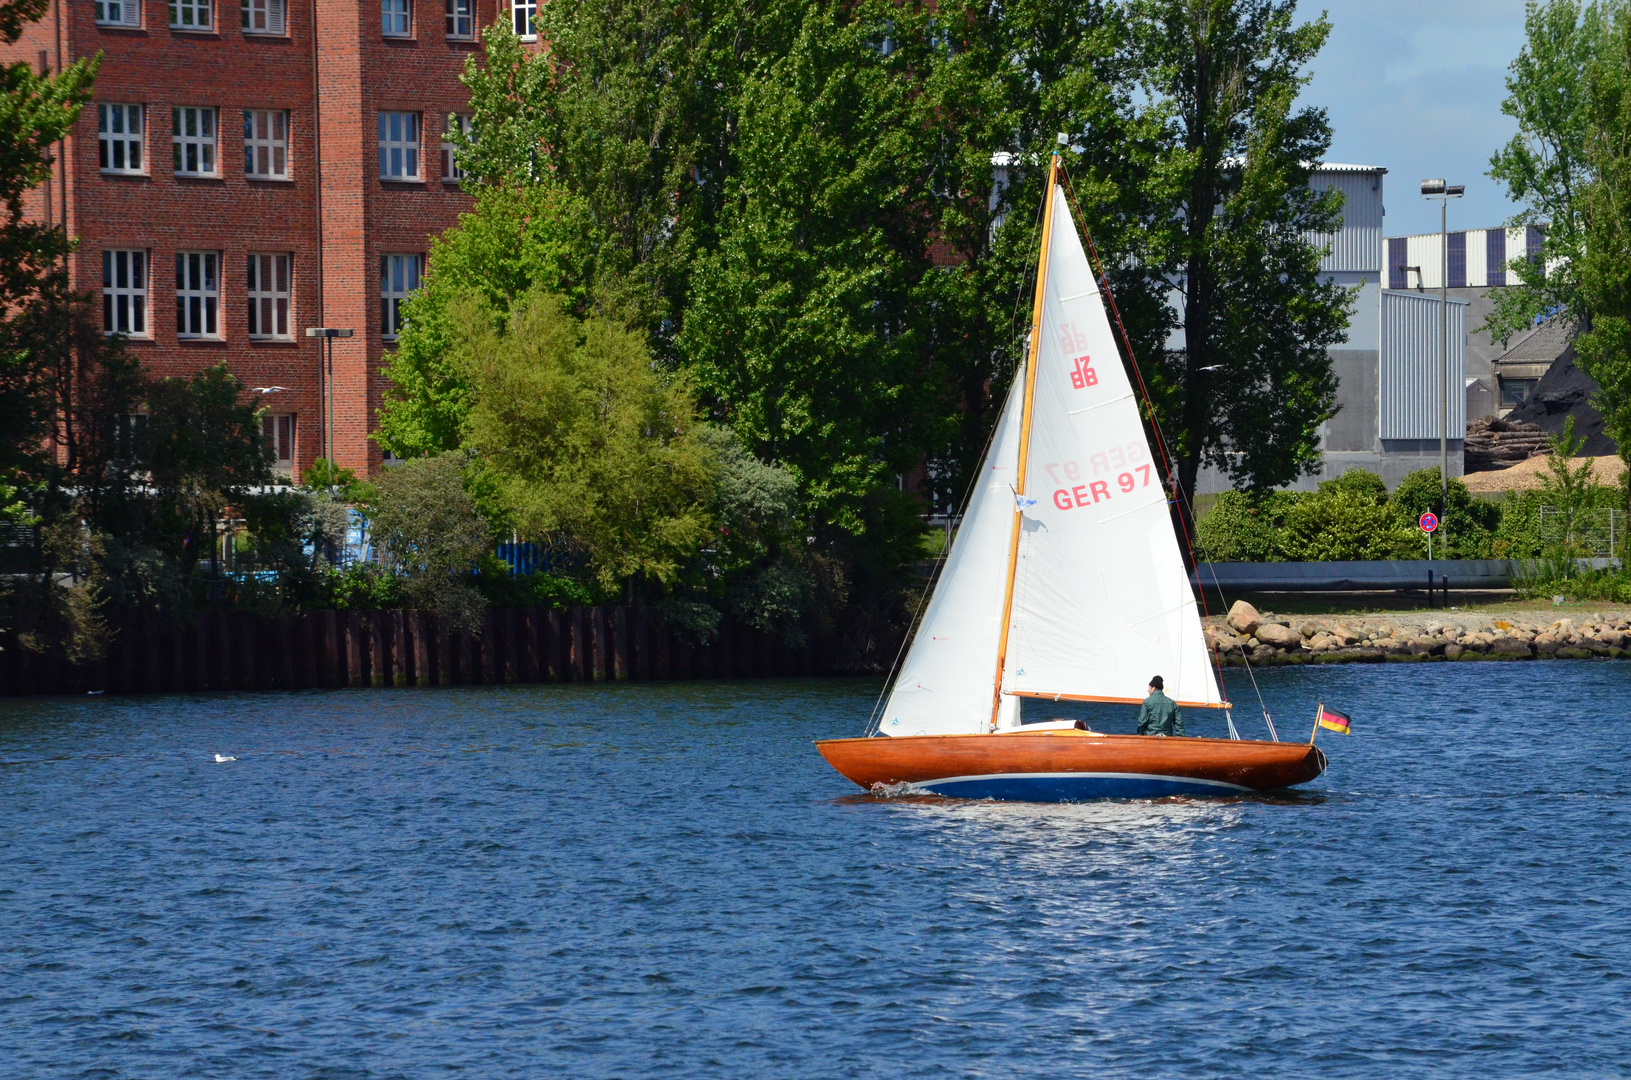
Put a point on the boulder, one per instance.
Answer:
(1452, 651)
(1308, 629)
(1281, 637)
(1344, 636)
(1322, 642)
(1508, 646)
(1243, 618)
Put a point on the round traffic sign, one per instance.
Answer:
(1428, 522)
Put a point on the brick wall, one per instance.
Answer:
(332, 70)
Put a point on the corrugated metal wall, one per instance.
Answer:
(1408, 387)
(1358, 245)
(1479, 261)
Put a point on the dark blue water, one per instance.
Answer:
(668, 881)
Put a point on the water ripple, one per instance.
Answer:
(667, 881)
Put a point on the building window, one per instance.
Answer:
(399, 146)
(461, 19)
(263, 16)
(524, 12)
(456, 124)
(198, 294)
(193, 137)
(190, 14)
(268, 291)
(124, 293)
(266, 143)
(119, 138)
(398, 278)
(279, 429)
(119, 12)
(1516, 391)
(394, 16)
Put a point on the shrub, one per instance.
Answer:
(1245, 526)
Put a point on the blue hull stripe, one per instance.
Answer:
(1074, 786)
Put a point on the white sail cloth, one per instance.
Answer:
(1101, 598)
(945, 686)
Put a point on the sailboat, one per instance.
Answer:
(1065, 582)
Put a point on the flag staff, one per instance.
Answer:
(1319, 712)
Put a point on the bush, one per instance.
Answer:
(1245, 526)
(1466, 527)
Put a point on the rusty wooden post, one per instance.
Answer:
(577, 663)
(620, 643)
(661, 652)
(355, 645)
(401, 656)
(640, 644)
(599, 644)
(550, 643)
(510, 651)
(421, 650)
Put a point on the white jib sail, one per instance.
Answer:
(945, 686)
(1101, 598)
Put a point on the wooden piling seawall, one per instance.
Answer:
(234, 650)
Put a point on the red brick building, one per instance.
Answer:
(252, 168)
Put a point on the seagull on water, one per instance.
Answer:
(221, 759)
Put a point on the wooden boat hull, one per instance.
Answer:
(1071, 766)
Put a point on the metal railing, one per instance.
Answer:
(1596, 532)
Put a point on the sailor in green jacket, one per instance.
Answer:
(1159, 713)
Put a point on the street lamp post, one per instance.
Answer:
(1438, 189)
(326, 378)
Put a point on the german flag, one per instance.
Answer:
(1332, 721)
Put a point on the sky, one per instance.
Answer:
(1417, 87)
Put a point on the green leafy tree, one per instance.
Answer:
(1252, 381)
(1466, 524)
(205, 450)
(520, 237)
(1546, 166)
(35, 299)
(427, 529)
(579, 435)
(1604, 261)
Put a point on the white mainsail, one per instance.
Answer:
(946, 685)
(1101, 597)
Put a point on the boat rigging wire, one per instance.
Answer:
(875, 717)
(1167, 462)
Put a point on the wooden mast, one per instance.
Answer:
(1025, 433)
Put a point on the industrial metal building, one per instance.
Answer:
(1389, 371)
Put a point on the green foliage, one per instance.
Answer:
(1546, 167)
(1604, 263)
(426, 529)
(1244, 526)
(517, 240)
(579, 435)
(1252, 381)
(1467, 525)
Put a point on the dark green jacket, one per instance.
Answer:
(1159, 716)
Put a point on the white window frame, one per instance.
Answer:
(281, 430)
(198, 294)
(195, 137)
(269, 17)
(126, 281)
(269, 287)
(461, 13)
(125, 13)
(121, 137)
(399, 145)
(399, 278)
(523, 16)
(396, 18)
(453, 124)
(200, 12)
(270, 148)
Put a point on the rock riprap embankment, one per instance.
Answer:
(1265, 638)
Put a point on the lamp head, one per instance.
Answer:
(1433, 187)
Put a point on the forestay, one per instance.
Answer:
(1101, 598)
(945, 686)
